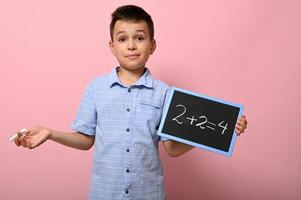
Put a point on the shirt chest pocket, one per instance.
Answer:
(148, 113)
(149, 104)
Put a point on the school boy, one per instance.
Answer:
(119, 114)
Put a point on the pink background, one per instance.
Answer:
(246, 51)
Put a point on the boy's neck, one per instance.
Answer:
(129, 77)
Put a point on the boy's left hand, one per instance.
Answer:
(241, 125)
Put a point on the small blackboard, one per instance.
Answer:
(200, 120)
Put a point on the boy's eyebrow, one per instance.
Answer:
(120, 32)
(139, 30)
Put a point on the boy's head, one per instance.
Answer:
(132, 37)
(131, 13)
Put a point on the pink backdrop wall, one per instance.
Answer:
(246, 51)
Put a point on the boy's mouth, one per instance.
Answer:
(132, 56)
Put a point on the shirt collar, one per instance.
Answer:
(146, 80)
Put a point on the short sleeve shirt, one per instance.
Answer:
(124, 121)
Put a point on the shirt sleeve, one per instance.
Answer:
(164, 108)
(86, 117)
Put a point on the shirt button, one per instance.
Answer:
(127, 130)
(128, 109)
(127, 170)
(129, 90)
(126, 191)
(127, 150)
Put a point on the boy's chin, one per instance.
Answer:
(133, 68)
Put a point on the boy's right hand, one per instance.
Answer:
(34, 137)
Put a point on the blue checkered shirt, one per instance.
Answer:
(124, 121)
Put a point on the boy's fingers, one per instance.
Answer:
(23, 144)
(242, 123)
(24, 140)
(243, 118)
(29, 142)
(31, 145)
(21, 137)
(17, 141)
(238, 123)
(24, 134)
(239, 129)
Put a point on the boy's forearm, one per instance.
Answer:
(72, 139)
(175, 149)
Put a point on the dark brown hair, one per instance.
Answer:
(132, 13)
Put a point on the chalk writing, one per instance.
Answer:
(200, 121)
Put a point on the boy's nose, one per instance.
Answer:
(132, 45)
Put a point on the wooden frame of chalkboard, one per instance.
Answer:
(201, 121)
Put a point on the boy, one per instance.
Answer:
(120, 112)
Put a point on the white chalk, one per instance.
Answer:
(22, 131)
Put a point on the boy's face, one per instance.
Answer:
(131, 44)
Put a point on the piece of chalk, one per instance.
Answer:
(22, 131)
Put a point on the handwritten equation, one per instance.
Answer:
(200, 121)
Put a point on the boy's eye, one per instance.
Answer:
(140, 38)
(122, 39)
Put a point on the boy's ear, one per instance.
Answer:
(153, 47)
(111, 44)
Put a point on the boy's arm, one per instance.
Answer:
(36, 136)
(175, 149)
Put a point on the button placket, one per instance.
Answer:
(128, 141)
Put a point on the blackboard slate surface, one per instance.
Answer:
(200, 120)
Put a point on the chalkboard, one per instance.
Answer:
(199, 120)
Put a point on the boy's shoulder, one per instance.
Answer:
(100, 81)
(160, 84)
(104, 78)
